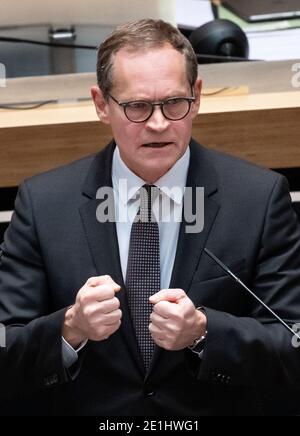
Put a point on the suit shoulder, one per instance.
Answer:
(60, 179)
(233, 170)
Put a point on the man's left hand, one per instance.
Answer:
(175, 323)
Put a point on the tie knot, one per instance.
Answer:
(148, 194)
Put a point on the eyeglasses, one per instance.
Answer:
(139, 111)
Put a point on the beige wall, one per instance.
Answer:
(83, 11)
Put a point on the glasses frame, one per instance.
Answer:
(161, 103)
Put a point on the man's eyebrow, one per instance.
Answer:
(177, 94)
(166, 97)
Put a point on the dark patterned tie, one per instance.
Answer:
(143, 269)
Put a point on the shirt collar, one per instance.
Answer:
(128, 184)
(124, 180)
(176, 178)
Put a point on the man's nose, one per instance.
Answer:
(157, 121)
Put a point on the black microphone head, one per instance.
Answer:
(220, 38)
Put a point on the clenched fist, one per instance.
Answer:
(175, 322)
(96, 314)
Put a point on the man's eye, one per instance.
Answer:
(174, 101)
(138, 105)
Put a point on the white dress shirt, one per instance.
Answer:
(168, 212)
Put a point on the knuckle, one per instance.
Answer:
(152, 329)
(87, 312)
(104, 293)
(177, 316)
(81, 299)
(160, 308)
(175, 329)
(108, 290)
(160, 304)
(91, 281)
(116, 302)
(111, 291)
(169, 327)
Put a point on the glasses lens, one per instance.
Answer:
(176, 108)
(138, 111)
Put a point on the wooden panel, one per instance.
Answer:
(261, 127)
(25, 151)
(268, 137)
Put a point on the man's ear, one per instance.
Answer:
(101, 104)
(197, 91)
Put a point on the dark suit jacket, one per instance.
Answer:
(54, 244)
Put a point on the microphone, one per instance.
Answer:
(239, 281)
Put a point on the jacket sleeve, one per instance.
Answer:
(257, 350)
(32, 355)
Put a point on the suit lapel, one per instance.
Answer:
(103, 242)
(190, 245)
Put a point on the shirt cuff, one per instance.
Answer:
(69, 354)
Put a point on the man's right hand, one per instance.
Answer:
(96, 314)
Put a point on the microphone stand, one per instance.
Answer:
(236, 279)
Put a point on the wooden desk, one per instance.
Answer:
(261, 127)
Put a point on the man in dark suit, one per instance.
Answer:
(130, 316)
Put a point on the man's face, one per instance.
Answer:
(152, 147)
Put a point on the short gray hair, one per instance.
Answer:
(138, 36)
